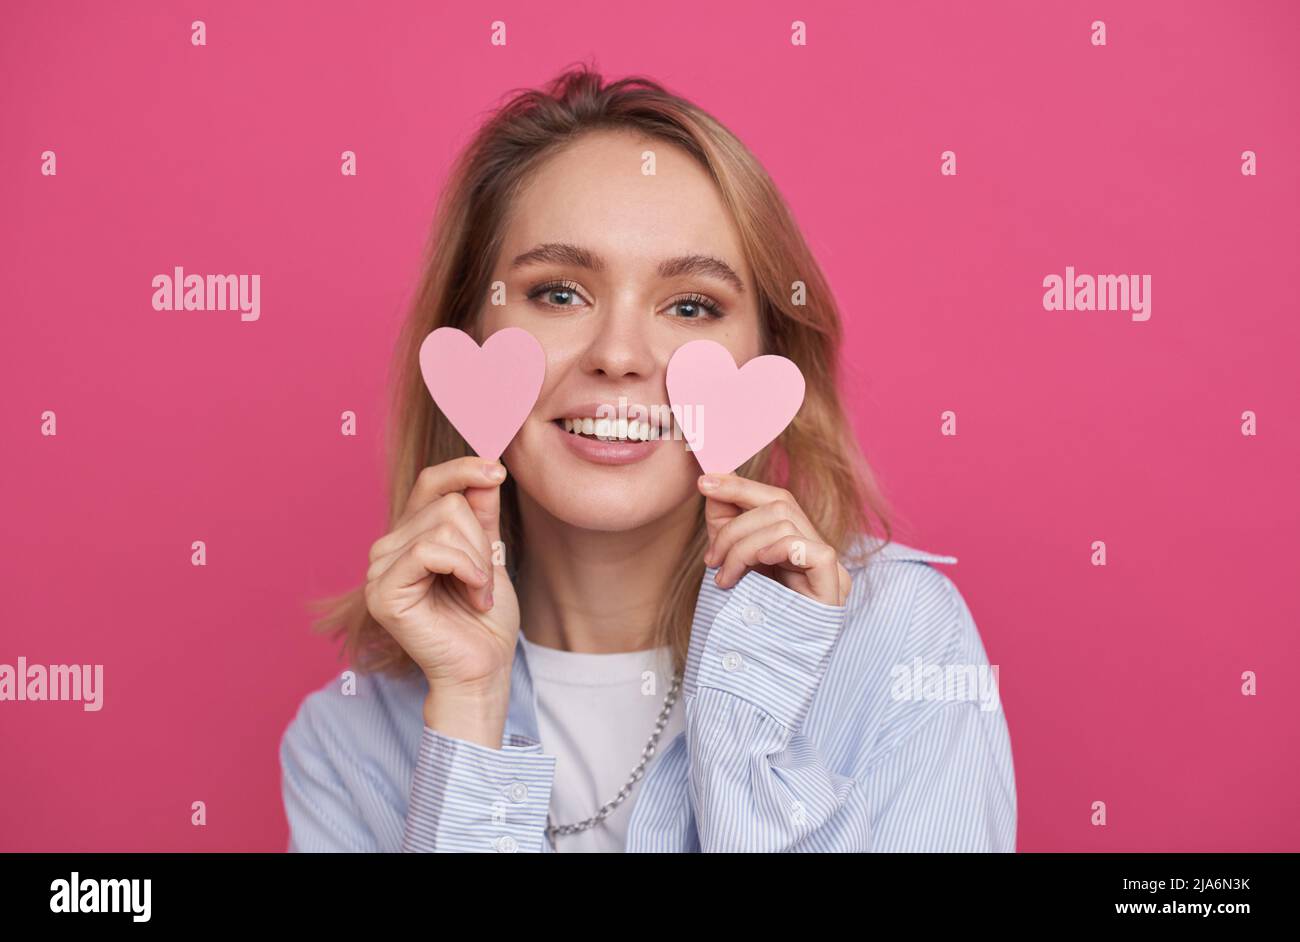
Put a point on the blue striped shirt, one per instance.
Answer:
(870, 726)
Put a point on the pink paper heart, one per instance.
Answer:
(485, 392)
(728, 415)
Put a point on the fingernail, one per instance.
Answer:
(495, 473)
(709, 483)
(489, 599)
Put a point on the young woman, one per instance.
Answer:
(602, 649)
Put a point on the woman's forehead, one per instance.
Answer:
(595, 195)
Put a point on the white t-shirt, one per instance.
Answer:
(595, 713)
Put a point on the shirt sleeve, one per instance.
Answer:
(939, 779)
(755, 783)
(323, 815)
(942, 778)
(463, 797)
(948, 788)
(468, 798)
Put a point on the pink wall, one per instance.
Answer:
(1121, 684)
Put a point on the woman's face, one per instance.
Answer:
(612, 270)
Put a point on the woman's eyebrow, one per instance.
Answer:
(564, 253)
(701, 265)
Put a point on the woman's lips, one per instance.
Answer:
(606, 452)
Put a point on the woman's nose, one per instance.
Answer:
(621, 345)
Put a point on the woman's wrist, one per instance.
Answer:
(474, 713)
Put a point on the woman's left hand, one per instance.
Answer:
(753, 525)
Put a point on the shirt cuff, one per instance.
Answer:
(769, 645)
(468, 798)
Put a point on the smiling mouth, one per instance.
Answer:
(611, 430)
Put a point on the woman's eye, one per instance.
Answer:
(693, 307)
(556, 295)
(697, 307)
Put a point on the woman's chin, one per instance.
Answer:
(606, 505)
(602, 522)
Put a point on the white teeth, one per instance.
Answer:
(612, 429)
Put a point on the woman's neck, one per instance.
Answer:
(593, 591)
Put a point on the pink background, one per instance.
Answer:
(1121, 684)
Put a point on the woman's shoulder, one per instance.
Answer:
(901, 591)
(907, 629)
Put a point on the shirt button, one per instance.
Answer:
(518, 791)
(752, 615)
(507, 845)
(732, 661)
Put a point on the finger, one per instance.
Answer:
(748, 494)
(748, 522)
(485, 503)
(453, 508)
(425, 558)
(817, 561)
(450, 531)
(444, 533)
(451, 476)
(744, 553)
(717, 514)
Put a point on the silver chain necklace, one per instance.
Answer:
(553, 830)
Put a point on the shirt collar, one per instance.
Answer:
(896, 550)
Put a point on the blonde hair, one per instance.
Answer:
(816, 458)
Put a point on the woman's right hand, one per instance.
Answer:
(434, 587)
